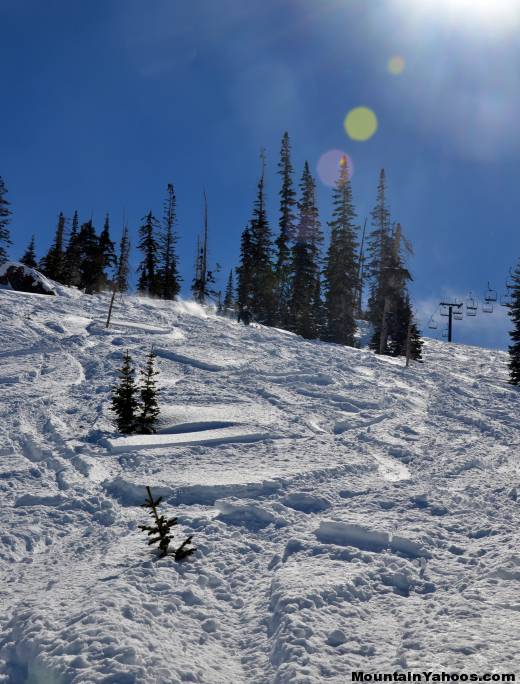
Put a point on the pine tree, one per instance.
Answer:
(341, 264)
(124, 398)
(53, 263)
(123, 262)
(262, 304)
(107, 253)
(390, 333)
(160, 531)
(168, 272)
(29, 257)
(285, 235)
(148, 280)
(245, 272)
(92, 260)
(305, 301)
(229, 298)
(149, 408)
(5, 213)
(401, 323)
(378, 267)
(514, 334)
(72, 258)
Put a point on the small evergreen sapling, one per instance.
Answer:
(149, 414)
(124, 401)
(160, 532)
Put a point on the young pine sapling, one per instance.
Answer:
(160, 532)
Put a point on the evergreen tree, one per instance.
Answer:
(401, 323)
(149, 408)
(92, 260)
(203, 276)
(397, 313)
(262, 277)
(107, 253)
(285, 235)
(160, 531)
(29, 257)
(229, 299)
(305, 309)
(379, 268)
(341, 264)
(5, 213)
(168, 272)
(124, 399)
(514, 334)
(149, 282)
(123, 262)
(53, 263)
(245, 272)
(72, 258)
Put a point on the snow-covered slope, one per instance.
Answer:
(349, 513)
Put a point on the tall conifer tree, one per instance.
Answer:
(5, 214)
(149, 282)
(378, 267)
(53, 263)
(262, 276)
(123, 262)
(72, 258)
(341, 264)
(245, 271)
(29, 257)
(229, 298)
(92, 260)
(108, 253)
(305, 309)
(168, 272)
(285, 235)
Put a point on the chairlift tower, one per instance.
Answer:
(449, 307)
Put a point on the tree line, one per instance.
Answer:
(287, 280)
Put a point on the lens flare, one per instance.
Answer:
(330, 164)
(396, 65)
(361, 124)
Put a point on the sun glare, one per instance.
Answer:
(487, 12)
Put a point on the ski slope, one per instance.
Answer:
(349, 513)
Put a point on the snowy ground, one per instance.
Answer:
(349, 513)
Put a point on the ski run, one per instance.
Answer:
(349, 513)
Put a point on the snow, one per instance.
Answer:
(348, 513)
(37, 277)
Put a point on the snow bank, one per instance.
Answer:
(17, 276)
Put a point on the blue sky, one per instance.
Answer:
(105, 102)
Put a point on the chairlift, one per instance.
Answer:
(487, 307)
(445, 332)
(471, 305)
(491, 295)
(444, 311)
(458, 315)
(506, 299)
(432, 324)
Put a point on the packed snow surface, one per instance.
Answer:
(349, 513)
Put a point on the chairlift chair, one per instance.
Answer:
(487, 307)
(505, 299)
(458, 315)
(432, 324)
(471, 305)
(444, 311)
(491, 295)
(445, 332)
